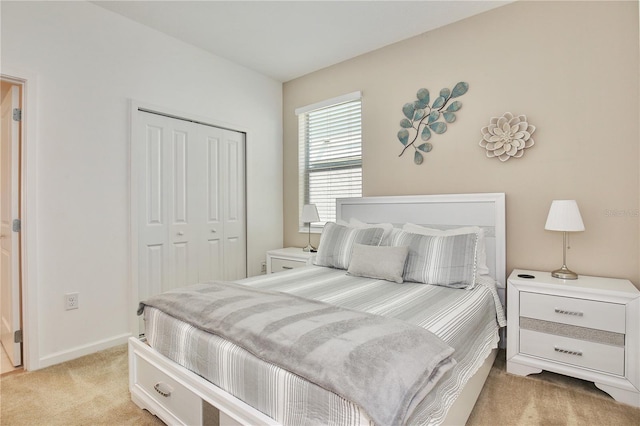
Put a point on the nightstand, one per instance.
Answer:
(587, 328)
(287, 258)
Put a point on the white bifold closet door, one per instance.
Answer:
(191, 206)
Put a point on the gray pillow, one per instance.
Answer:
(381, 262)
(336, 243)
(446, 260)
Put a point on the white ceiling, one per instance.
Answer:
(288, 39)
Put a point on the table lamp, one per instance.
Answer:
(564, 216)
(309, 215)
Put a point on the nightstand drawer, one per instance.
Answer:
(283, 259)
(567, 310)
(596, 356)
(278, 265)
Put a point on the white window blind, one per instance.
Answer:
(330, 154)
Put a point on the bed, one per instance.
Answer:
(185, 375)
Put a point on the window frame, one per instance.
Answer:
(303, 155)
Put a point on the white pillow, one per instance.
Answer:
(386, 227)
(482, 267)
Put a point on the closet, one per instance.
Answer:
(190, 202)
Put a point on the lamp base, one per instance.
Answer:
(309, 248)
(564, 274)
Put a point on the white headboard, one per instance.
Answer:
(486, 210)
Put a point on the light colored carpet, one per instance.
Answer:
(93, 390)
(546, 399)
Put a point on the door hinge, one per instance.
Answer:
(17, 336)
(17, 114)
(17, 225)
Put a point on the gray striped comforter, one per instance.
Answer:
(352, 353)
(464, 319)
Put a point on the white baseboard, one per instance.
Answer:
(79, 351)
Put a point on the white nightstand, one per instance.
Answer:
(287, 258)
(587, 328)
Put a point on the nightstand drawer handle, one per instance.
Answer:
(567, 351)
(287, 267)
(562, 311)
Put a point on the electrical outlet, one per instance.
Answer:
(71, 301)
(263, 267)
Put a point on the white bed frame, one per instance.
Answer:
(178, 396)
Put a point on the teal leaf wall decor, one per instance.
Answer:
(424, 119)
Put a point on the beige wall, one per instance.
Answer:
(570, 67)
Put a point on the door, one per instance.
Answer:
(166, 252)
(9, 225)
(224, 234)
(191, 208)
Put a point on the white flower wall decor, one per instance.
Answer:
(507, 136)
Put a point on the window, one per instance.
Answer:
(330, 154)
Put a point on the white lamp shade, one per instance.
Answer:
(309, 214)
(564, 215)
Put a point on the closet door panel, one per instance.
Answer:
(152, 251)
(153, 176)
(211, 260)
(152, 276)
(180, 165)
(183, 229)
(180, 259)
(233, 180)
(212, 177)
(212, 266)
(235, 260)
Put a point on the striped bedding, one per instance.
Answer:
(466, 320)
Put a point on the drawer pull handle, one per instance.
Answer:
(562, 311)
(163, 389)
(567, 351)
(287, 267)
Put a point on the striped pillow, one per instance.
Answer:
(336, 243)
(446, 260)
(483, 269)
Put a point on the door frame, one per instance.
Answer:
(134, 191)
(10, 152)
(28, 216)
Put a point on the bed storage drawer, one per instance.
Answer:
(177, 399)
(193, 400)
